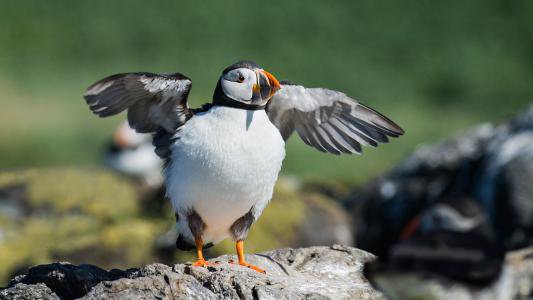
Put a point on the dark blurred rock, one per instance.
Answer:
(450, 241)
(451, 272)
(490, 164)
(306, 273)
(69, 281)
(455, 256)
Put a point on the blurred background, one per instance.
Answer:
(436, 68)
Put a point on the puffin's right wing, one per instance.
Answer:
(153, 101)
(328, 120)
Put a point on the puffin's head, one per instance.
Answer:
(247, 83)
(127, 138)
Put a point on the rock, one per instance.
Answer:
(490, 164)
(67, 280)
(306, 273)
(25, 291)
(520, 262)
(325, 223)
(514, 282)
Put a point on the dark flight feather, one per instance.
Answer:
(328, 120)
(153, 100)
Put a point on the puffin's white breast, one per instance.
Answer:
(224, 162)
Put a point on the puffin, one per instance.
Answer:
(132, 154)
(222, 159)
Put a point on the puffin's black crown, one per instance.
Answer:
(242, 64)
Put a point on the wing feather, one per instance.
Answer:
(326, 141)
(329, 120)
(152, 100)
(312, 137)
(341, 139)
(352, 134)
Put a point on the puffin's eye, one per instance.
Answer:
(241, 78)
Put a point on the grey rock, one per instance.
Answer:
(21, 291)
(520, 265)
(306, 273)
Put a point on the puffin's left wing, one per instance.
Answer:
(153, 101)
(328, 120)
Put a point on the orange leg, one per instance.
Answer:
(201, 262)
(240, 254)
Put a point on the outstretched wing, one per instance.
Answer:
(153, 101)
(328, 120)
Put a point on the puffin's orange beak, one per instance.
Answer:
(274, 83)
(266, 87)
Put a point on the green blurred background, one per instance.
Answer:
(435, 67)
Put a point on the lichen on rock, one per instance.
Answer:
(71, 213)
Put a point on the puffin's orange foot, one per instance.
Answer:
(255, 268)
(250, 266)
(202, 263)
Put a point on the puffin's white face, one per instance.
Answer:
(249, 86)
(238, 84)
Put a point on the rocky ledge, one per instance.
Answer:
(306, 273)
